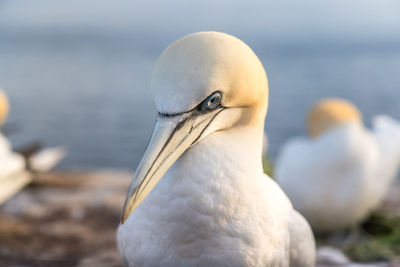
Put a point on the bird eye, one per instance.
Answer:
(212, 101)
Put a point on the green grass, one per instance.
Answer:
(381, 240)
(378, 240)
(268, 166)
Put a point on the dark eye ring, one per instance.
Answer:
(212, 101)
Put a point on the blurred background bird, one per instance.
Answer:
(341, 172)
(12, 165)
(16, 168)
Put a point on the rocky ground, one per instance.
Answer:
(64, 219)
(69, 219)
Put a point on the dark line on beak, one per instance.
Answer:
(139, 189)
(171, 115)
(171, 136)
(178, 126)
(136, 190)
(166, 143)
(208, 124)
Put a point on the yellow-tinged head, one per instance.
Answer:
(202, 83)
(329, 113)
(198, 64)
(3, 107)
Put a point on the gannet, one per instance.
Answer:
(14, 168)
(341, 172)
(12, 165)
(199, 196)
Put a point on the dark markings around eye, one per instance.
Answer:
(210, 103)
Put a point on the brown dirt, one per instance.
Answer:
(64, 219)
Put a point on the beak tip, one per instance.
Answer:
(124, 214)
(124, 217)
(126, 211)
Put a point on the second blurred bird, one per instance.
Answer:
(342, 171)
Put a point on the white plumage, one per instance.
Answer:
(12, 171)
(10, 162)
(386, 133)
(338, 178)
(213, 205)
(45, 160)
(13, 166)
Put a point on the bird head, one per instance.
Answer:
(202, 83)
(329, 113)
(3, 107)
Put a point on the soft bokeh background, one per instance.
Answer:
(78, 71)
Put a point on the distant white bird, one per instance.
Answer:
(13, 166)
(45, 160)
(204, 200)
(338, 175)
(10, 162)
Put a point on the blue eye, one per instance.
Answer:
(212, 101)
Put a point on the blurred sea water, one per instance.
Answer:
(88, 89)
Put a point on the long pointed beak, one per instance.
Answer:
(172, 136)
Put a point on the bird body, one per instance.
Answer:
(386, 134)
(211, 204)
(205, 204)
(336, 179)
(10, 162)
(330, 180)
(13, 176)
(12, 166)
(215, 209)
(15, 167)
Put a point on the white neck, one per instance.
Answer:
(237, 149)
